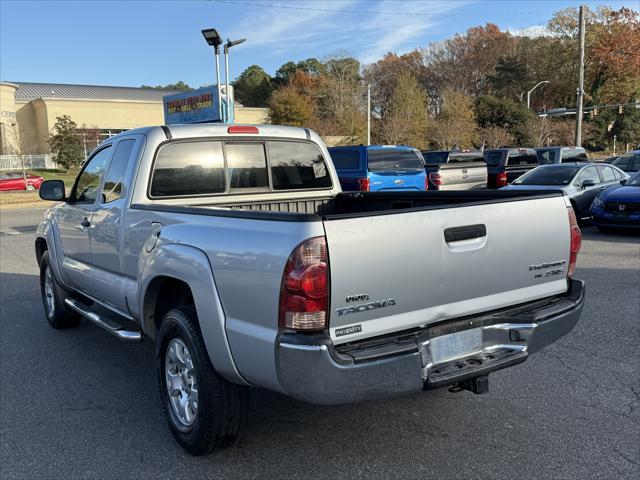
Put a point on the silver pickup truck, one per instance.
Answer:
(234, 250)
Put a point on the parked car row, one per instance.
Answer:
(397, 167)
(566, 169)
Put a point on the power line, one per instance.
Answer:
(376, 12)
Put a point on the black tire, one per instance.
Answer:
(60, 316)
(222, 406)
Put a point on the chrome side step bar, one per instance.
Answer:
(112, 328)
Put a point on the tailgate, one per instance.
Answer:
(397, 271)
(397, 180)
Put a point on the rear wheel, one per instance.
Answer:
(30, 186)
(53, 295)
(204, 411)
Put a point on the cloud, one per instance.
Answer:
(533, 31)
(323, 26)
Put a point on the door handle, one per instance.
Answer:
(468, 232)
(85, 223)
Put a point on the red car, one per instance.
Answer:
(15, 181)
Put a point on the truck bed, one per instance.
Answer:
(351, 204)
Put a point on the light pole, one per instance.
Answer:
(213, 39)
(529, 92)
(369, 85)
(227, 46)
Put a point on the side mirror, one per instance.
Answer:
(52, 190)
(623, 181)
(588, 183)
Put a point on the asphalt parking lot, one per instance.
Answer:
(80, 404)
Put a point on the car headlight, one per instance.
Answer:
(597, 202)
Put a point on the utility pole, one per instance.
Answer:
(368, 114)
(580, 96)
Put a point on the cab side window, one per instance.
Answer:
(114, 187)
(88, 183)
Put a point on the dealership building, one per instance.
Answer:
(28, 113)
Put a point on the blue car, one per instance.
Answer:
(618, 206)
(379, 168)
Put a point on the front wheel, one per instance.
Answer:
(30, 187)
(204, 411)
(53, 295)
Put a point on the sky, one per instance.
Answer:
(156, 42)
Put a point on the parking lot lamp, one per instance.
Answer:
(227, 46)
(529, 92)
(213, 39)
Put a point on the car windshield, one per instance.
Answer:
(552, 175)
(393, 159)
(634, 181)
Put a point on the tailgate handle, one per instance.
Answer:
(456, 234)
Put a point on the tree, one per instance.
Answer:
(496, 137)
(383, 76)
(310, 66)
(506, 114)
(253, 87)
(406, 121)
(455, 125)
(66, 144)
(290, 107)
(510, 77)
(13, 146)
(179, 85)
(627, 127)
(465, 62)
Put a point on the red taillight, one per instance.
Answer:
(436, 179)
(304, 293)
(243, 129)
(501, 179)
(363, 184)
(576, 241)
(426, 183)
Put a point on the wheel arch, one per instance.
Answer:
(174, 274)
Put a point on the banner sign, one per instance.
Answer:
(197, 106)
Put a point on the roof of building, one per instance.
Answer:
(28, 91)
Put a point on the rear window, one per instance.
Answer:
(188, 168)
(390, 160)
(522, 158)
(198, 168)
(546, 156)
(607, 173)
(431, 158)
(296, 165)
(495, 158)
(560, 175)
(247, 166)
(574, 155)
(345, 159)
(466, 157)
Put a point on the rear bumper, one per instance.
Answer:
(312, 369)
